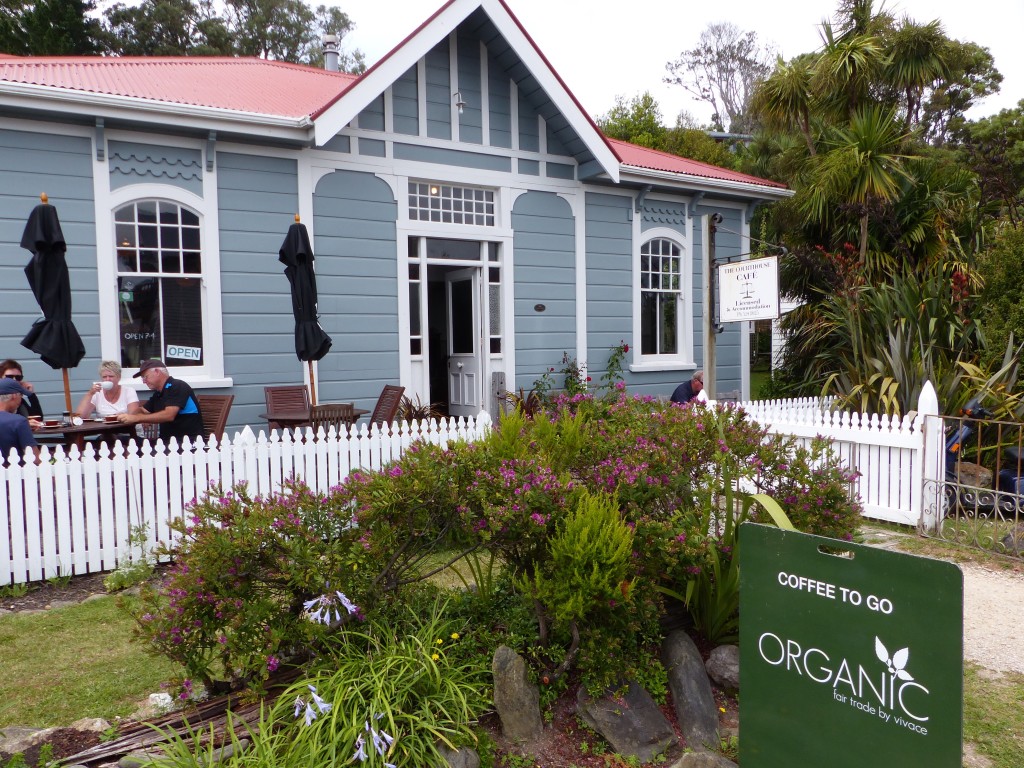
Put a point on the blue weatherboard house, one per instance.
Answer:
(470, 222)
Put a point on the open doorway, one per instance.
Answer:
(455, 355)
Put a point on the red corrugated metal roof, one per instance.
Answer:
(259, 86)
(246, 85)
(642, 157)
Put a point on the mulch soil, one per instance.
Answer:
(44, 594)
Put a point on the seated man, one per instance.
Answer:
(15, 431)
(688, 390)
(173, 405)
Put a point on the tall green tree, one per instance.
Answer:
(722, 70)
(994, 148)
(863, 166)
(288, 30)
(846, 126)
(166, 28)
(48, 27)
(637, 120)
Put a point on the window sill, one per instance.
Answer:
(661, 366)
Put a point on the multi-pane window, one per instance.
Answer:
(661, 285)
(429, 201)
(159, 283)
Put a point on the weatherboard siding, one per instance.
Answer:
(609, 247)
(355, 230)
(544, 247)
(405, 103)
(499, 91)
(61, 166)
(439, 92)
(258, 197)
(469, 85)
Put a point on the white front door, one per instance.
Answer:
(462, 289)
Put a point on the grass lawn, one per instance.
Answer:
(74, 662)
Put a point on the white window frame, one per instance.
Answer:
(211, 373)
(683, 358)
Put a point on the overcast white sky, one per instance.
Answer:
(603, 49)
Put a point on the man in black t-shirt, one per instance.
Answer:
(173, 405)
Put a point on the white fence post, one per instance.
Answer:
(932, 460)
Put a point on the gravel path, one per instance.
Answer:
(993, 608)
(993, 618)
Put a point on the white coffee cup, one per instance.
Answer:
(105, 385)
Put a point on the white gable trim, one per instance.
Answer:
(387, 71)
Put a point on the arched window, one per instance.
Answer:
(661, 292)
(159, 283)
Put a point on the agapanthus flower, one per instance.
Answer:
(325, 609)
(307, 707)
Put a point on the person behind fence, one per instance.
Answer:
(173, 405)
(15, 433)
(30, 407)
(688, 390)
(107, 397)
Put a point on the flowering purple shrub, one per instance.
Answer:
(258, 580)
(235, 602)
(813, 487)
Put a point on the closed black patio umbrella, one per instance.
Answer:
(53, 337)
(311, 342)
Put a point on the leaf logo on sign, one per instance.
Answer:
(896, 663)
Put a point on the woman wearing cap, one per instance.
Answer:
(30, 407)
(107, 397)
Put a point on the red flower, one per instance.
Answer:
(625, 347)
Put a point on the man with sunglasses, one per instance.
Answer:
(30, 407)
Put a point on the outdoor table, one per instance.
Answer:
(300, 417)
(75, 435)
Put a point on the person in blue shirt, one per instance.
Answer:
(688, 390)
(173, 405)
(15, 432)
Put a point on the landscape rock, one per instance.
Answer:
(464, 757)
(703, 760)
(157, 704)
(16, 738)
(632, 724)
(135, 760)
(691, 691)
(1014, 540)
(92, 724)
(723, 667)
(516, 699)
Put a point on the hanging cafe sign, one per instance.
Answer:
(850, 655)
(749, 290)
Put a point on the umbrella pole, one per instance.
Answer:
(312, 384)
(67, 389)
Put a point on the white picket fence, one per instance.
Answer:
(73, 512)
(898, 460)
